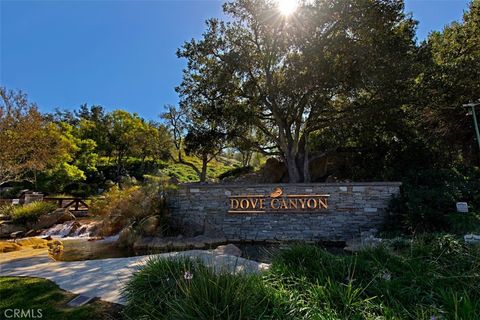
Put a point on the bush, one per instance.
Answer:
(236, 172)
(31, 211)
(428, 198)
(122, 207)
(7, 209)
(432, 277)
(186, 289)
(435, 277)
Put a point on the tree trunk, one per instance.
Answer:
(293, 172)
(119, 168)
(203, 175)
(306, 161)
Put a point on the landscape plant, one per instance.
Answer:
(427, 199)
(128, 206)
(31, 211)
(429, 277)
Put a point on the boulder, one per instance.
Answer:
(35, 243)
(7, 228)
(33, 233)
(126, 237)
(229, 249)
(55, 247)
(58, 216)
(16, 234)
(209, 241)
(149, 226)
(7, 246)
(112, 225)
(141, 244)
(273, 171)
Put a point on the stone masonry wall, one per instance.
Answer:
(352, 208)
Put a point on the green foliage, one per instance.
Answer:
(429, 196)
(34, 293)
(450, 77)
(31, 211)
(104, 146)
(186, 289)
(29, 142)
(435, 276)
(406, 284)
(236, 172)
(7, 209)
(128, 206)
(464, 223)
(288, 80)
(185, 173)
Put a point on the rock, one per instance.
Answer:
(220, 263)
(199, 245)
(142, 243)
(273, 171)
(96, 238)
(33, 233)
(148, 226)
(113, 225)
(179, 245)
(35, 243)
(58, 216)
(126, 237)
(55, 247)
(6, 229)
(7, 246)
(16, 234)
(161, 244)
(229, 249)
(210, 241)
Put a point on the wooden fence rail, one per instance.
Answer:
(77, 203)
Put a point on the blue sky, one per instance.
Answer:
(121, 54)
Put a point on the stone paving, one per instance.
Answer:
(104, 278)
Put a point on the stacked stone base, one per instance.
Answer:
(352, 208)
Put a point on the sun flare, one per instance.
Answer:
(287, 7)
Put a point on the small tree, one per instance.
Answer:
(28, 142)
(193, 135)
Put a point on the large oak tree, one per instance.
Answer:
(292, 76)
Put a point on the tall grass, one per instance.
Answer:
(434, 277)
(186, 289)
(31, 211)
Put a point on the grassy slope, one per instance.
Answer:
(35, 293)
(185, 173)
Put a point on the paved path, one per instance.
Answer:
(104, 278)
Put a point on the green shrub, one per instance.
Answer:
(435, 276)
(31, 211)
(430, 277)
(236, 172)
(7, 209)
(428, 197)
(186, 289)
(464, 223)
(128, 206)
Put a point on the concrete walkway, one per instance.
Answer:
(104, 278)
